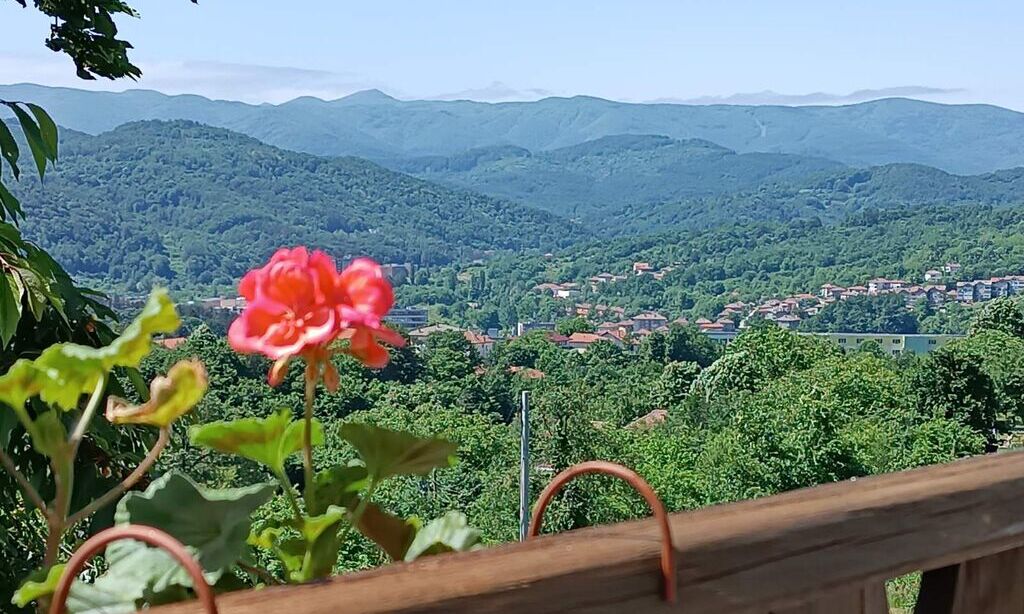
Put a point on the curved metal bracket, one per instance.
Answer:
(668, 564)
(150, 535)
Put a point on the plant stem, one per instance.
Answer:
(309, 489)
(288, 492)
(90, 410)
(115, 492)
(30, 492)
(357, 515)
(260, 573)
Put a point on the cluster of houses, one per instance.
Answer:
(571, 289)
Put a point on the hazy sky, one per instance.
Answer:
(274, 50)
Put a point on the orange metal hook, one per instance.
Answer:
(668, 564)
(150, 535)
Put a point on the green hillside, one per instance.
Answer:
(956, 138)
(741, 262)
(609, 173)
(192, 206)
(828, 197)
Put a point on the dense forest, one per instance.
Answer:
(191, 206)
(597, 178)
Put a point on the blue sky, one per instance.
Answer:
(272, 50)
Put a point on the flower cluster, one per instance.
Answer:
(298, 304)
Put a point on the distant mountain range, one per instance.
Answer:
(775, 98)
(370, 124)
(191, 206)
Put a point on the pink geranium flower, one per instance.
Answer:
(298, 304)
(289, 305)
(365, 297)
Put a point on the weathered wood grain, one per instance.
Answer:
(754, 556)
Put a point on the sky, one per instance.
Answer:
(633, 50)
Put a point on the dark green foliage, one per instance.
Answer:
(574, 325)
(680, 344)
(1002, 314)
(597, 178)
(886, 313)
(952, 383)
(195, 207)
(86, 31)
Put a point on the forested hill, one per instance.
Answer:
(614, 171)
(183, 204)
(827, 197)
(955, 138)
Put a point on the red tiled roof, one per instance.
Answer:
(171, 342)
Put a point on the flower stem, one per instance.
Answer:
(309, 489)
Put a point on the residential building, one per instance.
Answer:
(524, 327)
(171, 342)
(483, 344)
(788, 321)
(408, 317)
(891, 344)
(936, 295)
(879, 285)
(583, 341)
(398, 273)
(965, 292)
(420, 335)
(649, 320)
(639, 268)
(952, 268)
(932, 275)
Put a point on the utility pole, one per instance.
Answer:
(524, 465)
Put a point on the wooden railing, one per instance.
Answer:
(825, 550)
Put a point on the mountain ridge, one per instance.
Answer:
(956, 138)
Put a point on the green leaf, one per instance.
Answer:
(9, 149)
(268, 441)
(47, 129)
(391, 533)
(41, 583)
(10, 307)
(66, 371)
(322, 544)
(33, 136)
(213, 522)
(49, 434)
(388, 453)
(170, 397)
(136, 575)
(36, 292)
(314, 553)
(9, 202)
(338, 486)
(449, 533)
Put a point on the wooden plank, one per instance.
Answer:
(870, 599)
(752, 556)
(993, 584)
